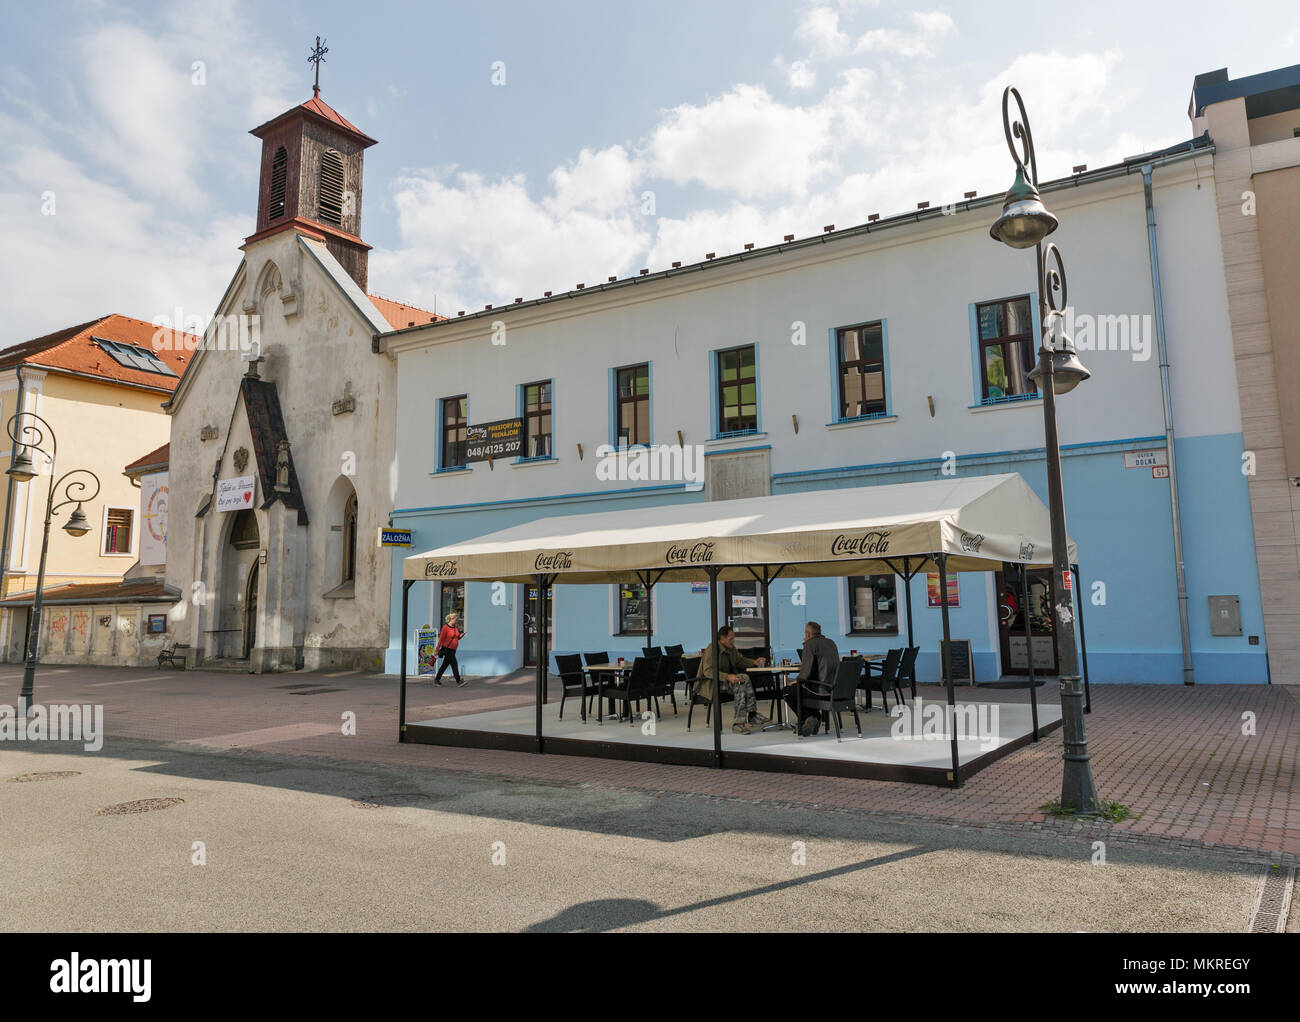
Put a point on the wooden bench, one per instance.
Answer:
(173, 655)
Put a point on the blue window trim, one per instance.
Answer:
(714, 411)
(520, 398)
(980, 401)
(834, 351)
(613, 403)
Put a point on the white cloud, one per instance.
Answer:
(798, 74)
(470, 240)
(744, 142)
(928, 28)
(130, 149)
(820, 30)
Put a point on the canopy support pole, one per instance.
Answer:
(907, 588)
(543, 651)
(644, 579)
(766, 580)
(1083, 642)
(945, 656)
(1029, 646)
(717, 672)
(401, 697)
(908, 574)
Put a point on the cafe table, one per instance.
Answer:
(599, 671)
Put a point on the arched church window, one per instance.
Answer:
(330, 191)
(279, 178)
(350, 540)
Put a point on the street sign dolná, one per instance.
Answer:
(489, 440)
(394, 537)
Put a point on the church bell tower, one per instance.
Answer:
(312, 160)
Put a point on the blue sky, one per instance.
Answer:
(625, 135)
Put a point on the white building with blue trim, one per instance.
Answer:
(892, 351)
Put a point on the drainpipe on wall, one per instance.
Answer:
(1169, 428)
(9, 489)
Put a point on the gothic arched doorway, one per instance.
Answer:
(236, 633)
(250, 612)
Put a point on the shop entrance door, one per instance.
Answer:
(1011, 620)
(744, 611)
(530, 623)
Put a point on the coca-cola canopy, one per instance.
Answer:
(978, 521)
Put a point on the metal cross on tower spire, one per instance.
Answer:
(317, 57)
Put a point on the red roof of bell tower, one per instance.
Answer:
(318, 109)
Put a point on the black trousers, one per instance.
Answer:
(793, 695)
(448, 660)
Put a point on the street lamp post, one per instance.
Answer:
(30, 432)
(1025, 221)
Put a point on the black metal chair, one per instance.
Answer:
(907, 668)
(841, 695)
(598, 658)
(652, 652)
(886, 679)
(698, 700)
(667, 671)
(690, 671)
(637, 686)
(575, 681)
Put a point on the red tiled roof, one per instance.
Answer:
(129, 591)
(150, 460)
(400, 314)
(74, 350)
(317, 107)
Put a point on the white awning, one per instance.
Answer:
(978, 521)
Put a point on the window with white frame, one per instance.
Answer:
(118, 522)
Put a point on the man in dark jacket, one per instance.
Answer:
(821, 661)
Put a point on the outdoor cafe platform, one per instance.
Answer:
(976, 524)
(878, 755)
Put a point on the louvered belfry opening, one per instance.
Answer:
(330, 196)
(279, 179)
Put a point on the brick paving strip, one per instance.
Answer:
(1175, 756)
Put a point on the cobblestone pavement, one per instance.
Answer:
(1179, 758)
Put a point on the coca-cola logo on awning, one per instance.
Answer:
(1026, 551)
(867, 543)
(699, 553)
(971, 542)
(557, 561)
(439, 569)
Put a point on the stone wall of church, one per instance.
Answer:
(336, 398)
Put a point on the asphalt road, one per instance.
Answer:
(286, 848)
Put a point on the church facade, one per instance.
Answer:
(282, 467)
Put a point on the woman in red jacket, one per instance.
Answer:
(448, 639)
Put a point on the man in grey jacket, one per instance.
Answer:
(821, 661)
